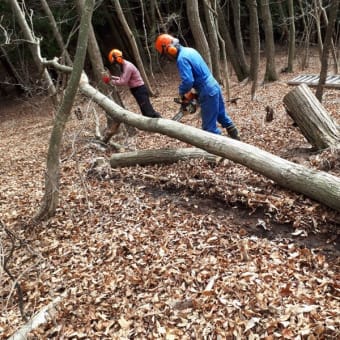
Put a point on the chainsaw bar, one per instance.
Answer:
(177, 117)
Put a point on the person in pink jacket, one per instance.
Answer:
(130, 76)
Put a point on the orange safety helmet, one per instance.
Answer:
(167, 44)
(115, 56)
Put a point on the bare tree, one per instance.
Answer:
(283, 21)
(34, 46)
(254, 45)
(238, 35)
(223, 57)
(52, 177)
(213, 39)
(197, 30)
(317, 17)
(307, 26)
(230, 50)
(270, 74)
(291, 47)
(98, 70)
(56, 32)
(332, 49)
(326, 48)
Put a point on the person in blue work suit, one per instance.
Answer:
(195, 74)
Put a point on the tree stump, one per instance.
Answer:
(314, 121)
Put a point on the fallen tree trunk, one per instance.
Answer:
(312, 118)
(318, 185)
(159, 156)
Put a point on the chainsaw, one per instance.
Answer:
(188, 104)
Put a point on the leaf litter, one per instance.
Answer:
(182, 251)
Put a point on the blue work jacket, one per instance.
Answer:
(194, 73)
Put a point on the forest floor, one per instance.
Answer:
(182, 251)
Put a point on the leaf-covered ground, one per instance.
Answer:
(183, 251)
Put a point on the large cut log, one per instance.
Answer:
(314, 121)
(159, 156)
(319, 185)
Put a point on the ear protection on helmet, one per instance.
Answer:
(115, 56)
(172, 48)
(118, 59)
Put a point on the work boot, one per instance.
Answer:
(233, 132)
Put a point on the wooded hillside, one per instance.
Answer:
(189, 244)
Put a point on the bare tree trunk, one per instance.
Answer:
(98, 70)
(56, 31)
(306, 19)
(33, 45)
(317, 15)
(224, 62)
(333, 50)
(318, 185)
(113, 22)
(326, 48)
(254, 45)
(229, 47)
(133, 43)
(52, 178)
(131, 21)
(283, 24)
(146, 47)
(291, 48)
(270, 74)
(313, 120)
(197, 30)
(238, 36)
(213, 40)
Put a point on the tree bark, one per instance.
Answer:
(52, 178)
(282, 22)
(212, 40)
(313, 120)
(56, 32)
(229, 47)
(201, 42)
(270, 74)
(291, 47)
(317, 16)
(317, 185)
(306, 20)
(98, 70)
(225, 81)
(34, 46)
(160, 156)
(254, 45)
(238, 36)
(333, 12)
(326, 48)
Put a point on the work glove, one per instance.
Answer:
(106, 79)
(190, 95)
(233, 132)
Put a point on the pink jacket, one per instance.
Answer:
(130, 77)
